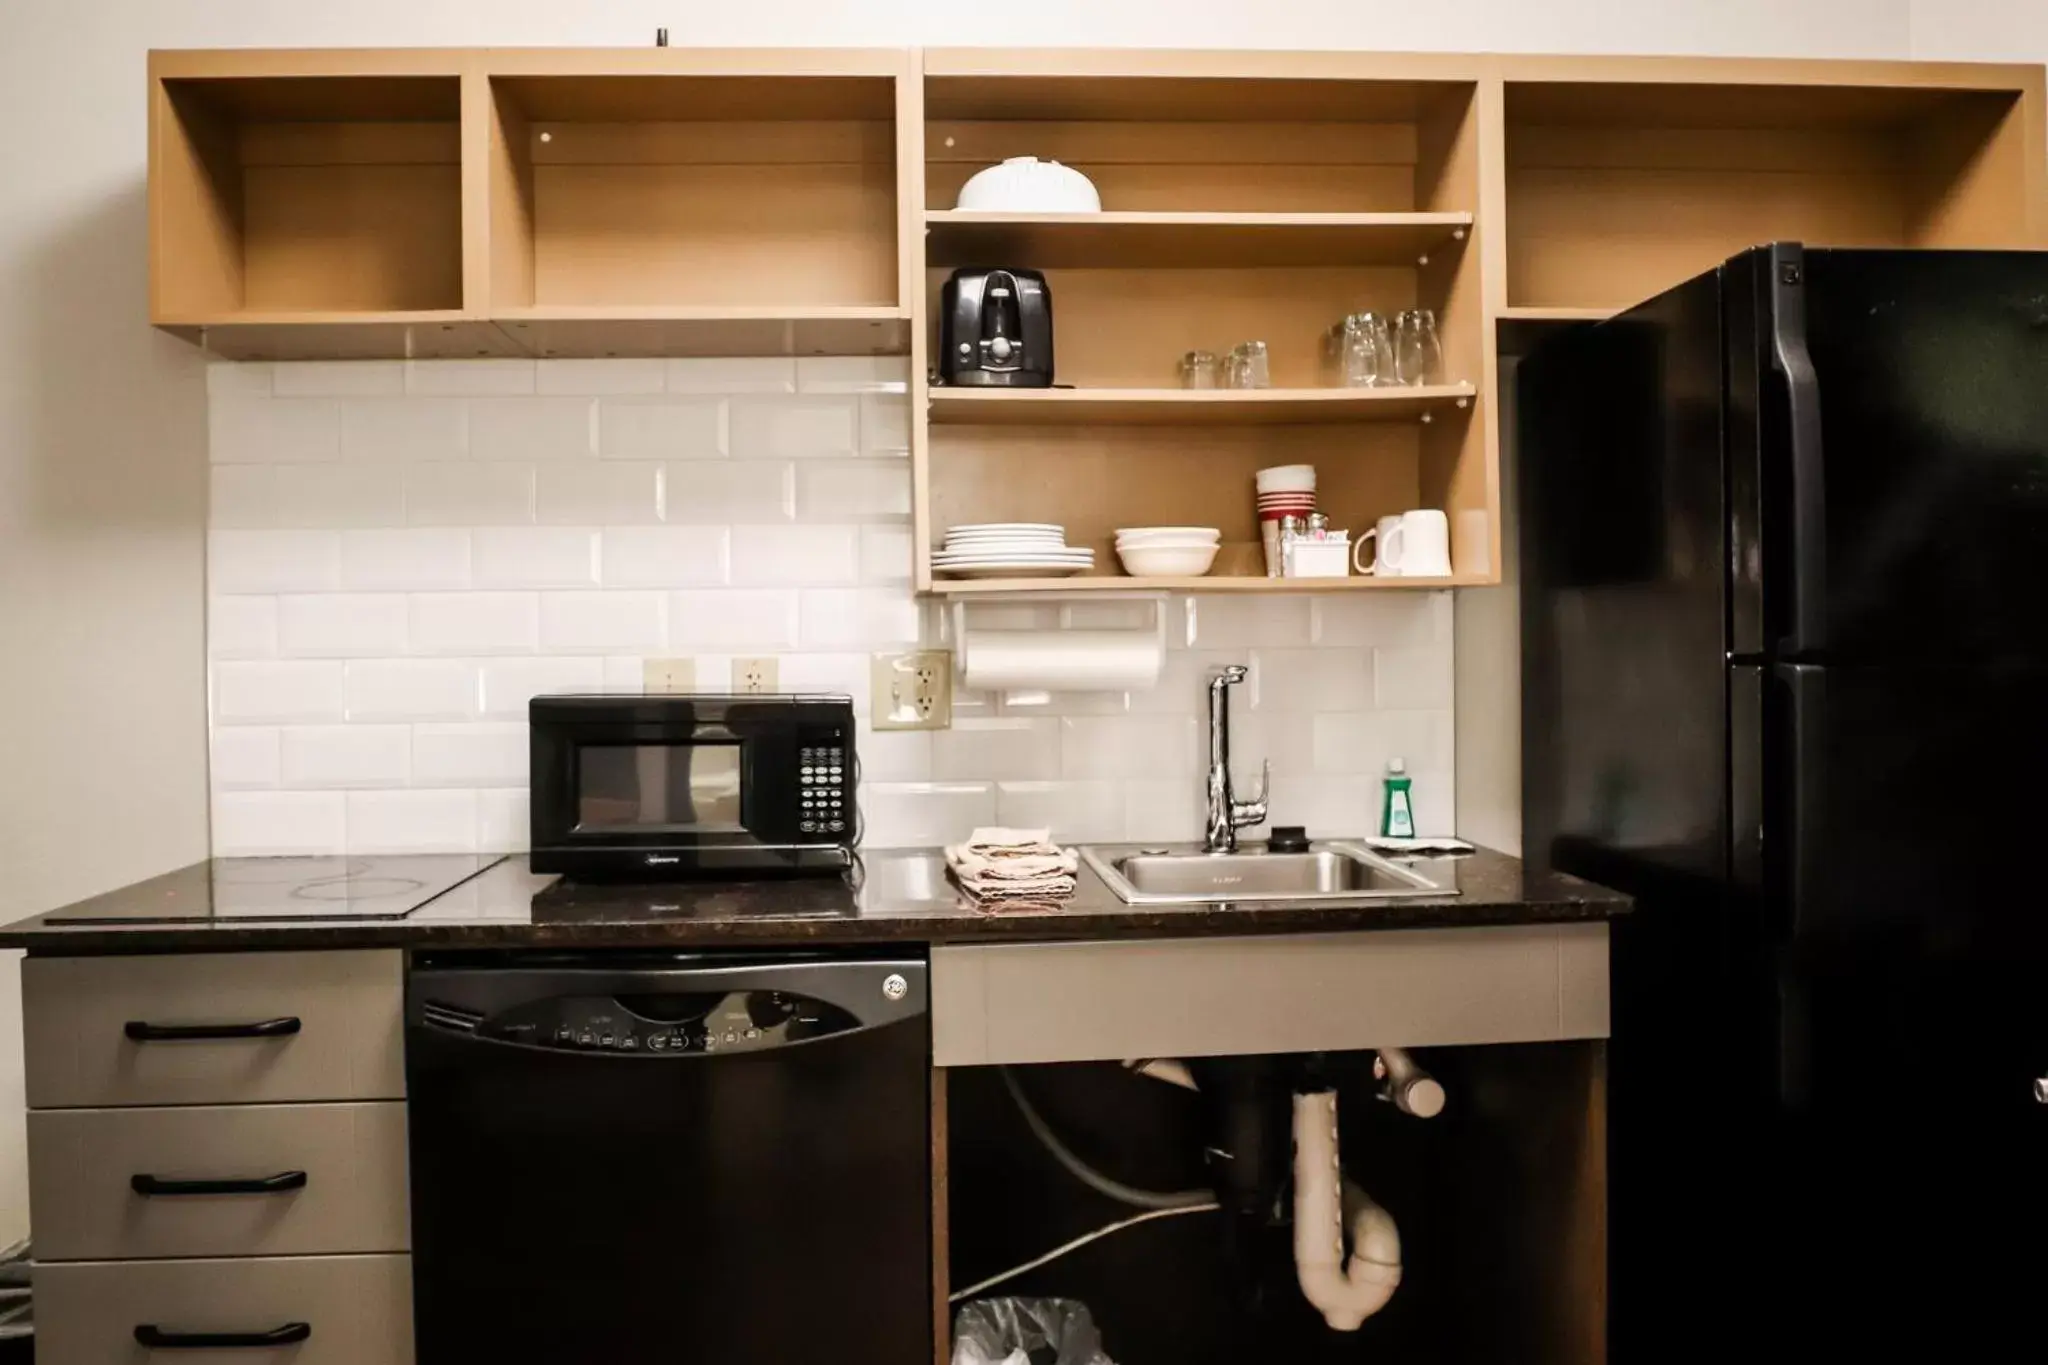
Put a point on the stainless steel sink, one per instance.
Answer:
(1182, 874)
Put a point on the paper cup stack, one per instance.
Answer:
(1285, 490)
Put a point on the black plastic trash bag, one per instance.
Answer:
(1027, 1332)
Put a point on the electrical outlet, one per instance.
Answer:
(753, 675)
(913, 691)
(668, 675)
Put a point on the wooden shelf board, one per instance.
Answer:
(1557, 314)
(1052, 240)
(658, 330)
(287, 335)
(996, 587)
(1164, 407)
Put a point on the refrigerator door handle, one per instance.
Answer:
(1804, 823)
(1790, 359)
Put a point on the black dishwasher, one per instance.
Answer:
(621, 1159)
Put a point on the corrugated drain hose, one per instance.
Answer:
(1088, 1175)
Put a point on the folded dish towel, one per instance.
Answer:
(1381, 843)
(1013, 864)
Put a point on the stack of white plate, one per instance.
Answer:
(1010, 549)
(1168, 551)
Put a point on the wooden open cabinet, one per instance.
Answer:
(674, 202)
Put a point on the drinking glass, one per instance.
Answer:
(1418, 355)
(1200, 370)
(1368, 351)
(1249, 368)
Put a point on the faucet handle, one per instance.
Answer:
(1228, 675)
(1252, 812)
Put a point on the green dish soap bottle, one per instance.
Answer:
(1397, 817)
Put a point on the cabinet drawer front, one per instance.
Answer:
(348, 1042)
(352, 1158)
(359, 1309)
(1216, 997)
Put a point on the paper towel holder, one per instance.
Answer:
(1066, 603)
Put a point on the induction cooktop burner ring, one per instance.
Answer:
(350, 886)
(285, 869)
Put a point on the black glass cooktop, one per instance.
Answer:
(384, 886)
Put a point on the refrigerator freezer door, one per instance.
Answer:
(1930, 372)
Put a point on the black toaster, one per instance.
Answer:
(996, 329)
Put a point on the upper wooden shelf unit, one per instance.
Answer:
(964, 237)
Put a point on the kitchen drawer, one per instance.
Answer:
(1217, 997)
(358, 1307)
(349, 1042)
(352, 1156)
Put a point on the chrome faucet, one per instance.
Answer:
(1227, 815)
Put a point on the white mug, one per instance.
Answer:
(1417, 546)
(1377, 537)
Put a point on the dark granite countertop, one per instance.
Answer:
(899, 896)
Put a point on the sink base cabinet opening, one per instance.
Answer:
(1499, 1201)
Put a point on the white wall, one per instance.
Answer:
(102, 475)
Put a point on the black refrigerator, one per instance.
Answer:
(1784, 574)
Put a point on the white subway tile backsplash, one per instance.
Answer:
(418, 559)
(468, 494)
(248, 429)
(885, 554)
(1412, 679)
(916, 814)
(795, 556)
(412, 821)
(242, 496)
(392, 430)
(612, 493)
(1325, 679)
(410, 689)
(339, 495)
(337, 378)
(244, 756)
(997, 747)
(729, 491)
(535, 557)
(346, 755)
(458, 623)
(794, 428)
(650, 429)
(733, 374)
(509, 684)
(504, 820)
(884, 425)
(602, 622)
(273, 824)
(852, 374)
(241, 627)
(1073, 811)
(856, 618)
(481, 755)
(532, 428)
(401, 555)
(732, 620)
(272, 561)
(853, 490)
(602, 376)
(1099, 746)
(465, 378)
(664, 556)
(341, 625)
(275, 691)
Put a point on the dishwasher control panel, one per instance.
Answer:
(700, 1023)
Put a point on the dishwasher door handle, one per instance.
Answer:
(874, 991)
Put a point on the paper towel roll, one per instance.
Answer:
(1061, 660)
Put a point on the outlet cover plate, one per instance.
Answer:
(913, 691)
(659, 676)
(751, 676)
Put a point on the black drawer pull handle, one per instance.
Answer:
(157, 1339)
(283, 1181)
(186, 1033)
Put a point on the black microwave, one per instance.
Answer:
(691, 785)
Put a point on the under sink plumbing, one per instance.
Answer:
(1273, 1123)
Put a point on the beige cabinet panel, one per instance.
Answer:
(349, 1044)
(352, 1157)
(359, 1309)
(1217, 997)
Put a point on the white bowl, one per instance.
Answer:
(1024, 184)
(1286, 478)
(1168, 535)
(1152, 561)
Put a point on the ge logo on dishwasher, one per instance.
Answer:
(894, 987)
